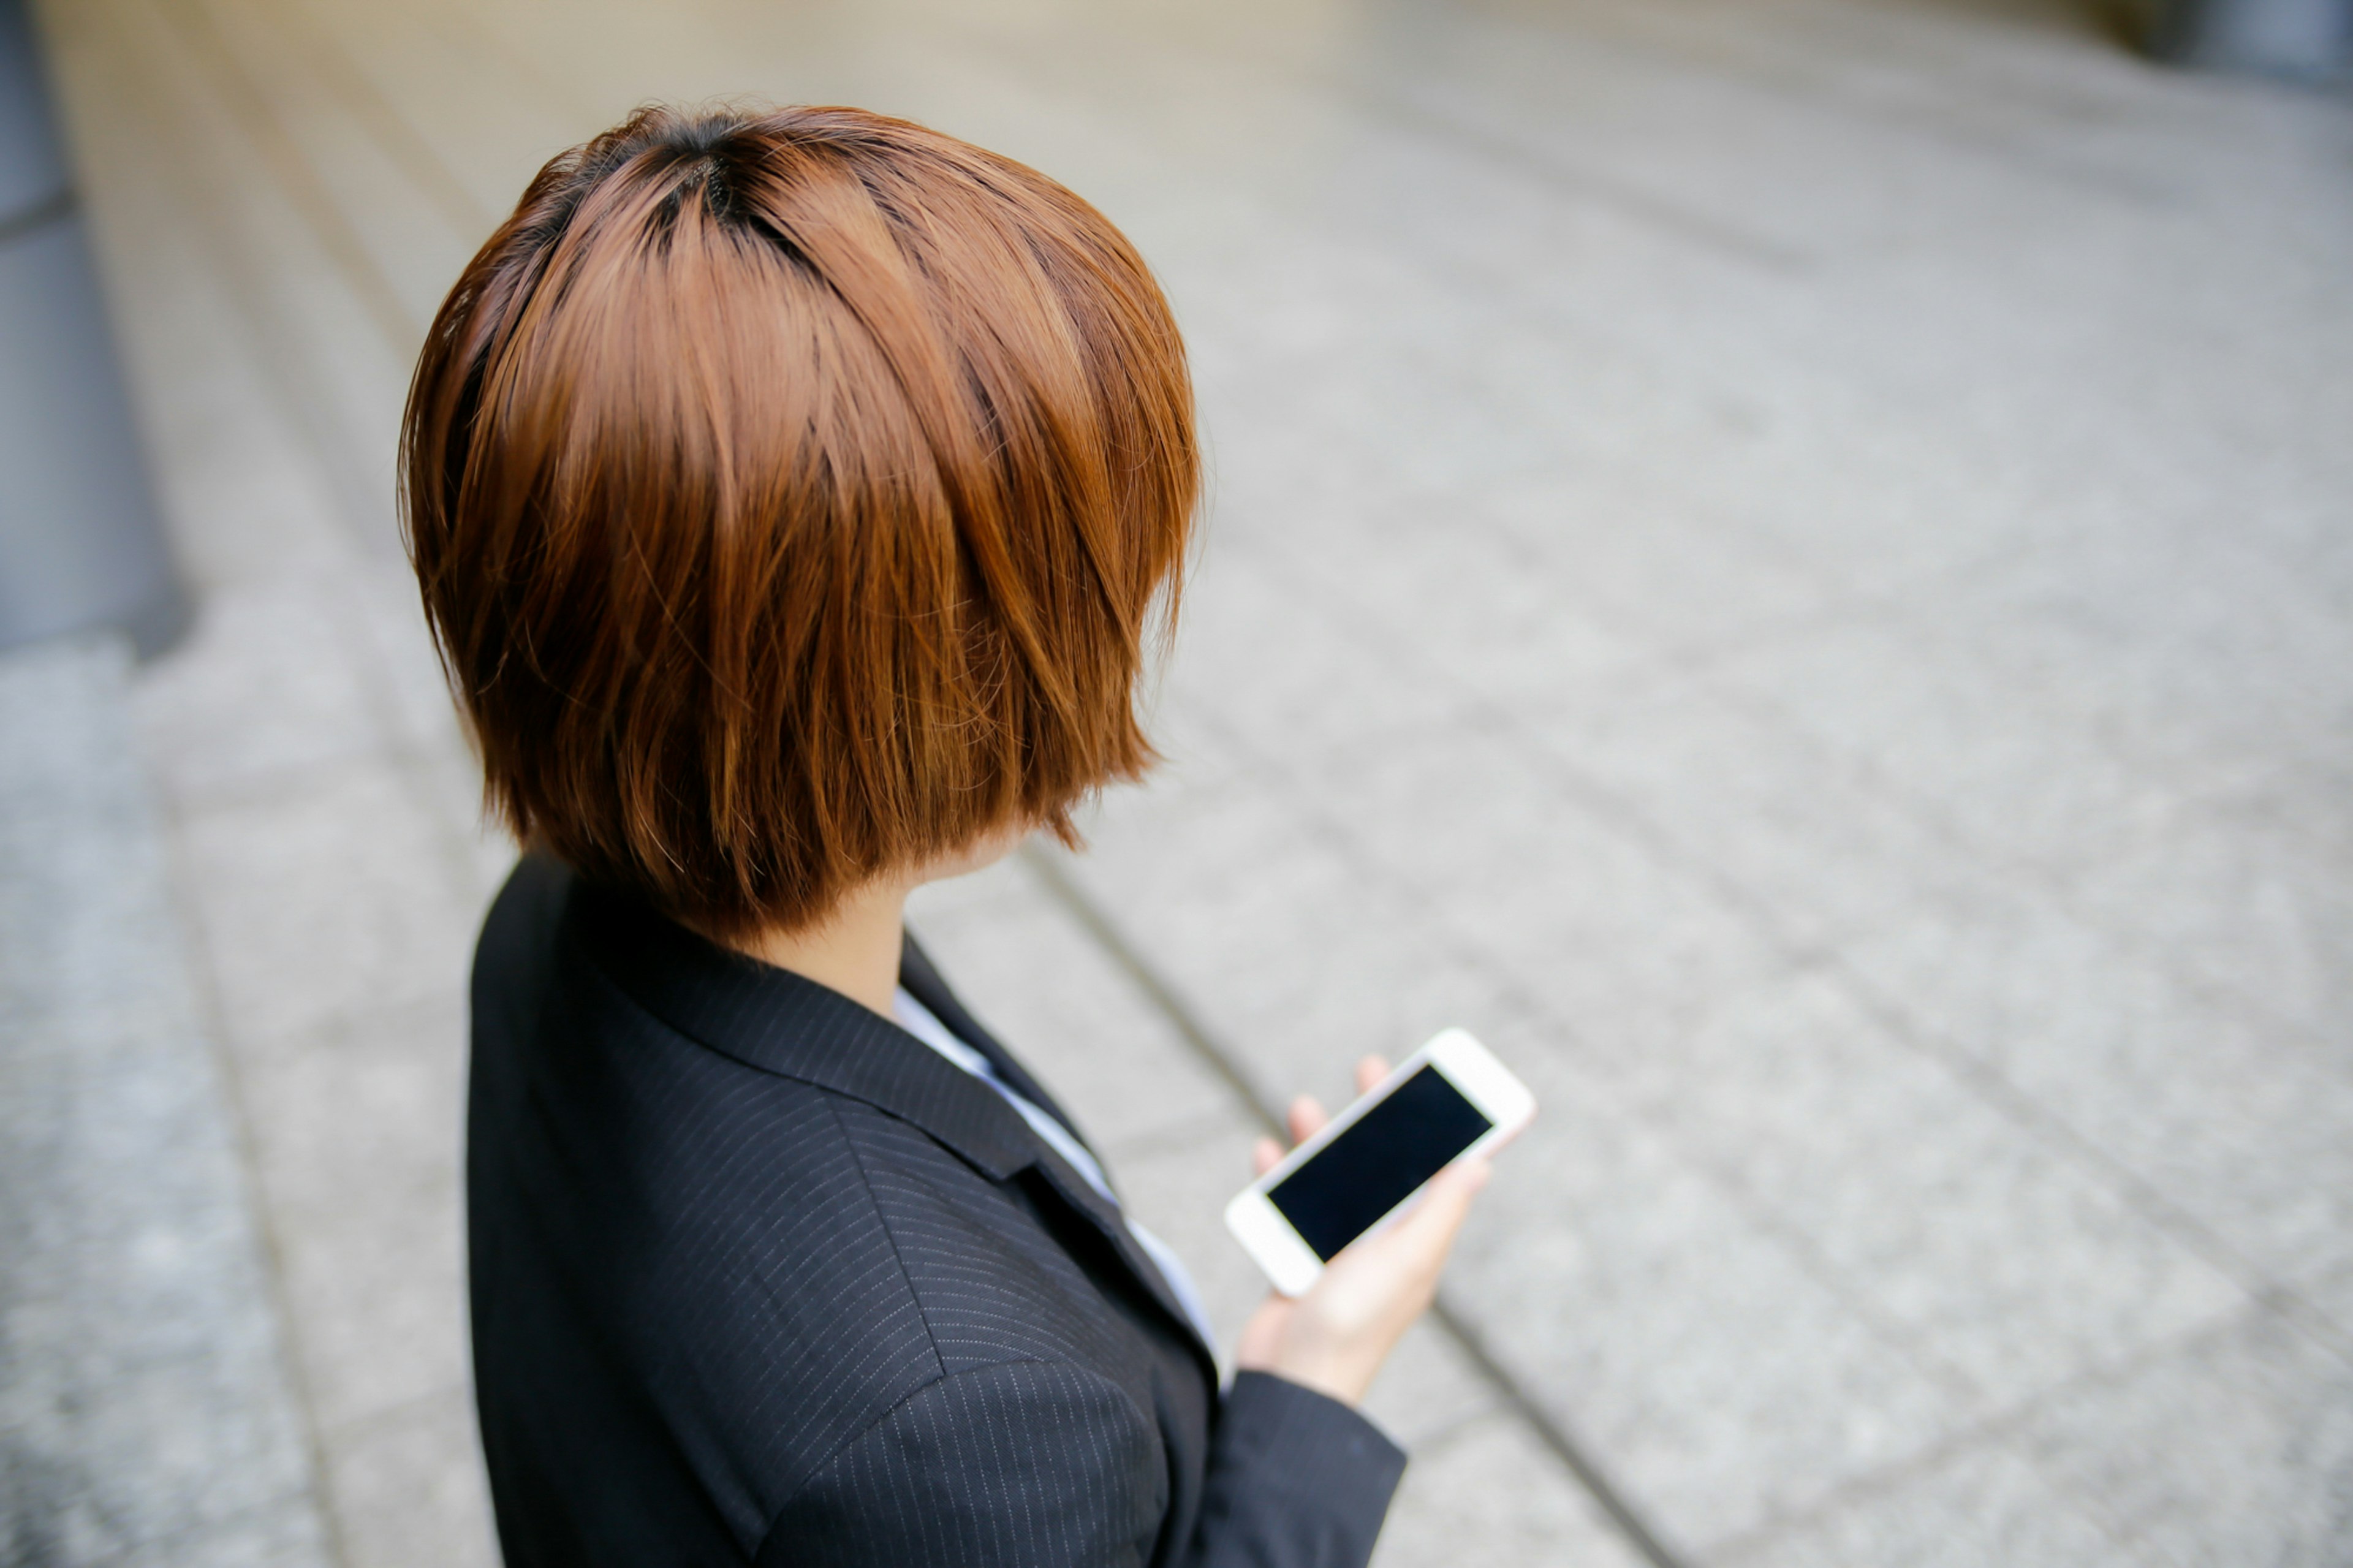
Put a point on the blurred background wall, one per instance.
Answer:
(1786, 560)
(79, 542)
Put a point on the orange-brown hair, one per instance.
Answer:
(790, 494)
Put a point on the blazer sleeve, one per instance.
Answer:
(1017, 1465)
(1296, 1481)
(1044, 1464)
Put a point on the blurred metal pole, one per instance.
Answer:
(81, 545)
(2281, 38)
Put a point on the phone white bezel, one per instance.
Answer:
(1474, 1072)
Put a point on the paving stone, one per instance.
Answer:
(2331, 1291)
(359, 1133)
(1472, 604)
(2012, 1263)
(143, 1401)
(2235, 890)
(2235, 1449)
(1491, 1494)
(408, 1486)
(1285, 671)
(112, 1459)
(268, 686)
(286, 1535)
(1977, 1507)
(1650, 564)
(79, 810)
(325, 898)
(1218, 889)
(1793, 826)
(2018, 781)
(406, 681)
(1388, 415)
(2320, 798)
(2208, 660)
(412, 235)
(1579, 910)
(2232, 1125)
(243, 495)
(316, 317)
(1721, 1384)
(448, 779)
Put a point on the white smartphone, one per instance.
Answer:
(1449, 1100)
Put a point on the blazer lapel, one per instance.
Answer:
(923, 983)
(1076, 1192)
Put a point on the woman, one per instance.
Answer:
(792, 495)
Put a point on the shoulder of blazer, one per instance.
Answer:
(785, 1024)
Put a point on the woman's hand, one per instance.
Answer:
(1336, 1337)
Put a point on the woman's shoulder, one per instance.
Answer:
(782, 1216)
(768, 1170)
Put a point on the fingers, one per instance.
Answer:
(1416, 1247)
(1369, 1073)
(1335, 1338)
(1307, 1118)
(1424, 1234)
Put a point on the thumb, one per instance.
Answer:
(1444, 1206)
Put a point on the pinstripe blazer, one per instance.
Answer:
(758, 1277)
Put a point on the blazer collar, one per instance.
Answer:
(787, 1024)
(922, 982)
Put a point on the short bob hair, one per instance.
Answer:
(792, 494)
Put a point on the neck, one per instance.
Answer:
(854, 950)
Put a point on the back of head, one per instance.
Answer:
(791, 494)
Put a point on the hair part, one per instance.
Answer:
(791, 494)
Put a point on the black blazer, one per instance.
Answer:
(758, 1277)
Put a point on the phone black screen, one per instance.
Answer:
(1373, 1166)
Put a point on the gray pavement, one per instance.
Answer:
(147, 1413)
(1789, 564)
